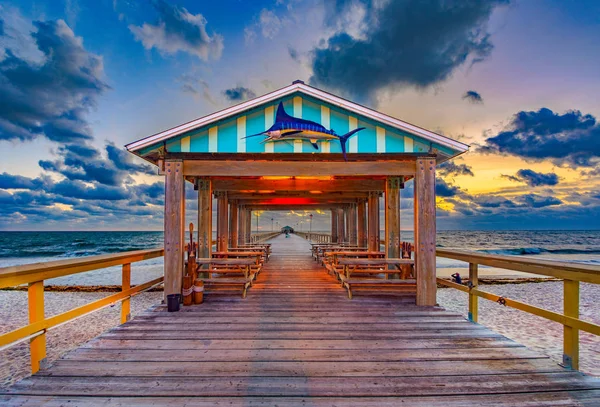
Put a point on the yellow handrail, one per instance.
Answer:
(35, 274)
(571, 273)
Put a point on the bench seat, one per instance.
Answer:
(228, 284)
(380, 285)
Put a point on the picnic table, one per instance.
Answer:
(374, 267)
(228, 266)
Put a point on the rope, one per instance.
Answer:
(198, 289)
(187, 291)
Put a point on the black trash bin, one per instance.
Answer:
(173, 301)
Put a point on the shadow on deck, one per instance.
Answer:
(298, 341)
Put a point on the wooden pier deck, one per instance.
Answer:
(298, 341)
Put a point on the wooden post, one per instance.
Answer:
(249, 225)
(204, 217)
(126, 285)
(473, 299)
(362, 223)
(222, 221)
(392, 217)
(340, 226)
(174, 226)
(425, 231)
(352, 233)
(571, 335)
(334, 226)
(373, 227)
(37, 345)
(242, 224)
(233, 224)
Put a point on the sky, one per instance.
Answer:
(516, 80)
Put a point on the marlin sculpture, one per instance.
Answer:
(287, 128)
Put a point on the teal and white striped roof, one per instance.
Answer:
(224, 131)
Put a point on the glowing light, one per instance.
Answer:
(316, 192)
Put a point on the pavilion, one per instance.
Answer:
(245, 174)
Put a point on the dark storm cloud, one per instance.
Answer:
(122, 160)
(538, 201)
(79, 190)
(8, 181)
(400, 43)
(34, 102)
(533, 178)
(473, 97)
(1, 26)
(445, 190)
(570, 139)
(178, 30)
(450, 168)
(239, 94)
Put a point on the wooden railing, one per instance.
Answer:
(262, 236)
(315, 237)
(35, 274)
(571, 273)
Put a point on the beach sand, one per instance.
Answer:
(534, 332)
(15, 363)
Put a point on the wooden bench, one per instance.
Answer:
(228, 267)
(374, 268)
(331, 258)
(256, 255)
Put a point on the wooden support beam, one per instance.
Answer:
(570, 334)
(341, 230)
(334, 225)
(352, 225)
(204, 217)
(392, 217)
(248, 225)
(361, 218)
(373, 222)
(315, 195)
(222, 221)
(242, 224)
(312, 207)
(293, 184)
(125, 285)
(473, 299)
(37, 344)
(174, 226)
(212, 168)
(233, 223)
(425, 231)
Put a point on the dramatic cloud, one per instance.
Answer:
(533, 178)
(122, 160)
(570, 139)
(450, 168)
(445, 190)
(239, 94)
(400, 43)
(179, 30)
(473, 97)
(50, 97)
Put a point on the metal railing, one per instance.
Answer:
(572, 274)
(315, 237)
(34, 275)
(262, 236)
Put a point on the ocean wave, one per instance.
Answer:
(528, 251)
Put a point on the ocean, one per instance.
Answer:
(32, 247)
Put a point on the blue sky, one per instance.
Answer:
(518, 80)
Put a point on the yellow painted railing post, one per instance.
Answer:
(37, 345)
(473, 299)
(126, 303)
(571, 335)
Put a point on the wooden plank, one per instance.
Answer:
(425, 232)
(373, 221)
(584, 398)
(295, 184)
(174, 227)
(334, 225)
(222, 221)
(302, 369)
(233, 224)
(297, 168)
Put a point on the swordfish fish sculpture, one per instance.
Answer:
(287, 128)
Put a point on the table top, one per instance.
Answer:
(367, 262)
(347, 249)
(355, 253)
(238, 253)
(227, 262)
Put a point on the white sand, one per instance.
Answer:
(15, 363)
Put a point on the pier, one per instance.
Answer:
(296, 340)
